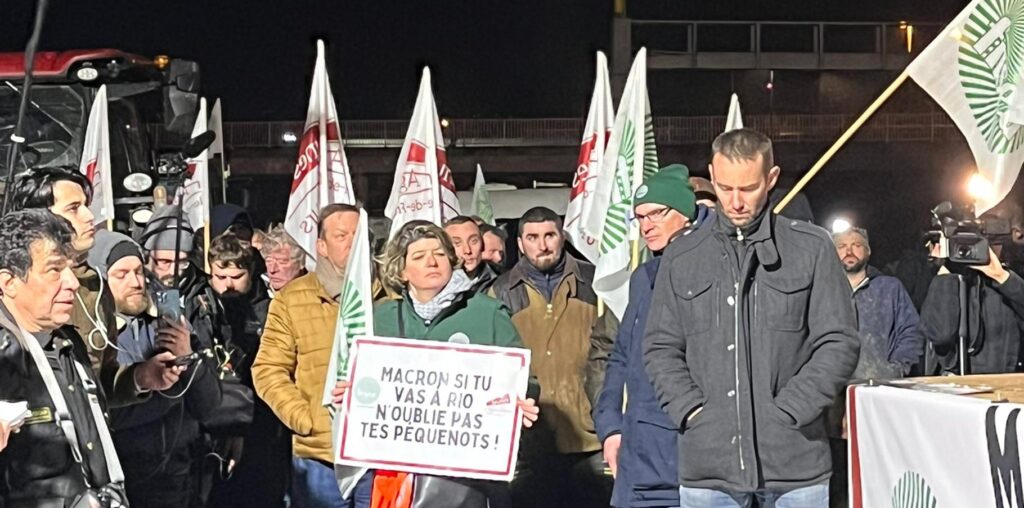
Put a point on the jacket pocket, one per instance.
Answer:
(782, 302)
(707, 449)
(698, 309)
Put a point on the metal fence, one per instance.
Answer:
(885, 128)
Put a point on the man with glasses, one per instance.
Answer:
(640, 445)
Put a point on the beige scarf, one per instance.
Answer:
(331, 278)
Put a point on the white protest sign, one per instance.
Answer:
(432, 407)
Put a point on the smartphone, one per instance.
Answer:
(184, 360)
(168, 304)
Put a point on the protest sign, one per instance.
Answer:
(440, 408)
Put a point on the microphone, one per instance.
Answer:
(196, 145)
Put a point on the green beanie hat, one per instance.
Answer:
(670, 187)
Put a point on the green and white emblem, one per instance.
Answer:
(991, 55)
(911, 491)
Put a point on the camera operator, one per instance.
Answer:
(994, 305)
(159, 440)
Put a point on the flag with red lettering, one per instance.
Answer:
(315, 185)
(194, 195)
(423, 186)
(95, 163)
(595, 139)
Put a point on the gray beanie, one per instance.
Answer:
(162, 230)
(109, 248)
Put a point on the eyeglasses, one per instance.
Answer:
(656, 217)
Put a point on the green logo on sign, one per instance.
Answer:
(367, 391)
(911, 491)
(990, 57)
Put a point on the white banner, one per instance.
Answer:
(322, 175)
(423, 188)
(600, 120)
(433, 407)
(96, 159)
(194, 196)
(912, 449)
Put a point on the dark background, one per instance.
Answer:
(520, 59)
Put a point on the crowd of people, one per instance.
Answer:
(160, 375)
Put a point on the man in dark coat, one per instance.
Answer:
(63, 454)
(640, 445)
(750, 337)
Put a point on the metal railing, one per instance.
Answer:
(567, 131)
(780, 44)
(553, 132)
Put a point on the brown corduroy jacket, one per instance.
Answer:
(558, 334)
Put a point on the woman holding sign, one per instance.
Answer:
(438, 303)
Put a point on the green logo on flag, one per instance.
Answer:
(990, 58)
(911, 491)
(616, 223)
(353, 318)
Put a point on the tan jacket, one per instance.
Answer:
(291, 364)
(558, 335)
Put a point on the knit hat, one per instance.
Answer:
(109, 248)
(161, 232)
(670, 186)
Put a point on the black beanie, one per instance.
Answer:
(122, 250)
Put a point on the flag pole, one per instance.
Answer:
(206, 246)
(843, 139)
(110, 224)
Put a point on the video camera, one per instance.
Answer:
(963, 237)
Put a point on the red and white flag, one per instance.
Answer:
(194, 195)
(95, 163)
(423, 187)
(315, 184)
(595, 139)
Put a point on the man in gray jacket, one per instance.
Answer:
(750, 337)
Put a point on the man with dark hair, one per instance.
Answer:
(63, 455)
(750, 337)
(469, 246)
(554, 309)
(67, 193)
(261, 467)
(291, 365)
(494, 246)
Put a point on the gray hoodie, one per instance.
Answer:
(105, 242)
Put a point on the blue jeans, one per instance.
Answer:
(815, 496)
(314, 486)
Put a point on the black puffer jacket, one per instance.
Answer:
(37, 469)
(757, 328)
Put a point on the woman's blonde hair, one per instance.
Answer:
(391, 262)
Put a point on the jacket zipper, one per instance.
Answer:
(736, 354)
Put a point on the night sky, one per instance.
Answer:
(521, 58)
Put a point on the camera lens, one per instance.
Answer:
(963, 251)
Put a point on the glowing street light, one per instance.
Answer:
(841, 225)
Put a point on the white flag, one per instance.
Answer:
(95, 163)
(973, 70)
(423, 186)
(219, 169)
(355, 318)
(355, 313)
(631, 156)
(734, 120)
(600, 119)
(482, 199)
(316, 185)
(194, 195)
